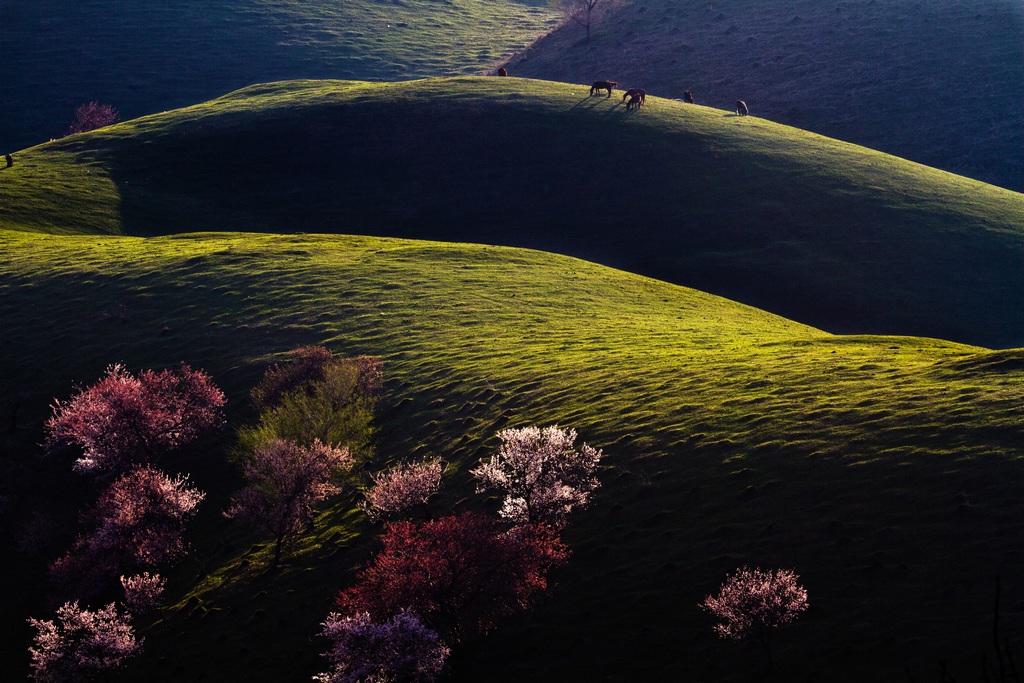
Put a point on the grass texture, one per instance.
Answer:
(885, 470)
(837, 236)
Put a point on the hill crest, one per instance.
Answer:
(828, 233)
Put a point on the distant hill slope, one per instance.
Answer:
(144, 57)
(938, 81)
(823, 232)
(885, 470)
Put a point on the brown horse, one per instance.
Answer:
(603, 85)
(741, 108)
(635, 101)
(503, 71)
(687, 97)
(635, 92)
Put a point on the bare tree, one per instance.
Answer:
(580, 12)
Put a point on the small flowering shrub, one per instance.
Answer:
(543, 475)
(123, 419)
(402, 488)
(81, 645)
(284, 482)
(142, 592)
(400, 649)
(90, 116)
(753, 602)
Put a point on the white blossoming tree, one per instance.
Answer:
(542, 473)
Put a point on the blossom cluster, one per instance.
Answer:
(401, 648)
(403, 487)
(544, 476)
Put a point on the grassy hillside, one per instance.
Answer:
(148, 57)
(886, 470)
(833, 235)
(935, 81)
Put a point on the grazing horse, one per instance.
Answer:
(688, 97)
(635, 101)
(632, 92)
(741, 108)
(603, 85)
(503, 71)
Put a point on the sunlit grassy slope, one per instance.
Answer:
(148, 57)
(824, 232)
(885, 470)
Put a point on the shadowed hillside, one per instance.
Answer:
(144, 57)
(885, 470)
(937, 81)
(823, 232)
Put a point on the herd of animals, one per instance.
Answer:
(638, 96)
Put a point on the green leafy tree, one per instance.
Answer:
(316, 397)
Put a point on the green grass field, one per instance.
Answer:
(827, 233)
(886, 470)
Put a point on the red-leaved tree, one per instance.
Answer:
(123, 420)
(402, 488)
(460, 573)
(81, 645)
(284, 482)
(138, 524)
(752, 603)
(543, 475)
(400, 649)
(90, 116)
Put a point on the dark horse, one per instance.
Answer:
(603, 85)
(741, 108)
(635, 92)
(687, 97)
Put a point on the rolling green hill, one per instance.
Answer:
(148, 57)
(935, 81)
(834, 235)
(886, 470)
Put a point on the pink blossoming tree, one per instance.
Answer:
(81, 645)
(400, 649)
(752, 603)
(543, 475)
(139, 522)
(285, 481)
(402, 488)
(124, 420)
(90, 116)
